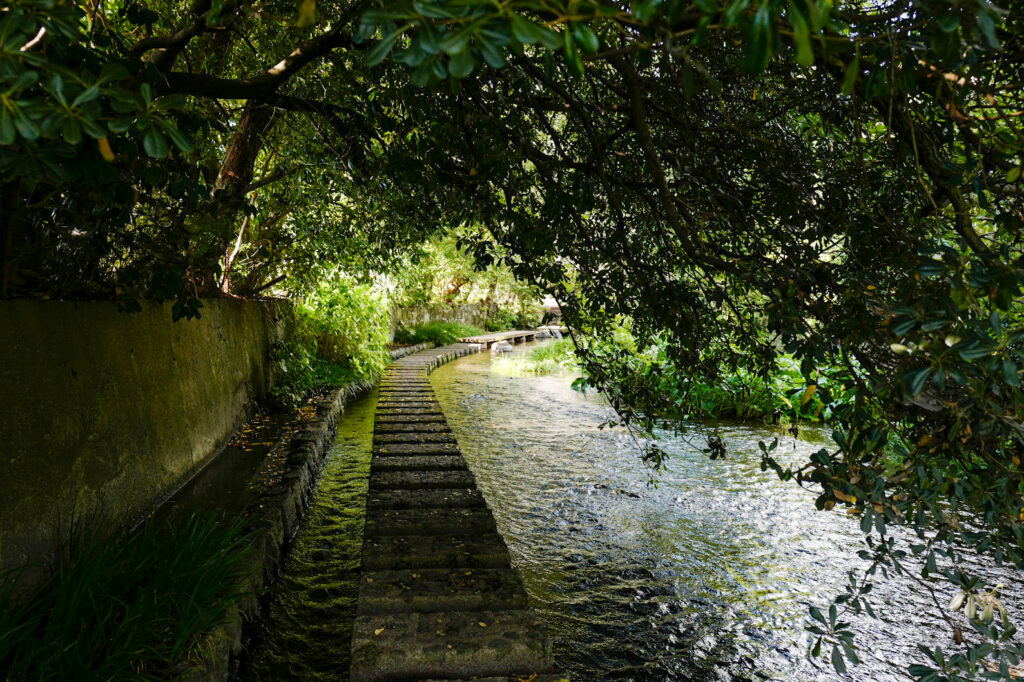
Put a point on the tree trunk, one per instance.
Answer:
(239, 163)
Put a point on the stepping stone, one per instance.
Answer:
(414, 418)
(420, 480)
(438, 597)
(438, 589)
(424, 499)
(409, 404)
(413, 437)
(486, 550)
(408, 398)
(454, 644)
(437, 521)
(418, 463)
(411, 428)
(397, 449)
(410, 411)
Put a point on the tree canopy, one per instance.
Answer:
(732, 181)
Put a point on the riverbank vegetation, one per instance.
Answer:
(439, 332)
(839, 183)
(557, 357)
(124, 608)
(344, 325)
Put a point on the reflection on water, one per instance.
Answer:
(706, 576)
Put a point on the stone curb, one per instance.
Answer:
(409, 350)
(273, 519)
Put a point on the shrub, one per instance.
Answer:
(441, 333)
(524, 317)
(339, 336)
(124, 610)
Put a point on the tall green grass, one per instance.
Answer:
(441, 333)
(129, 609)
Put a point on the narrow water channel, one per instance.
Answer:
(706, 576)
(307, 630)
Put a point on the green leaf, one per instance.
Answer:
(179, 139)
(987, 25)
(643, 10)
(733, 12)
(572, 55)
(56, 87)
(586, 38)
(381, 50)
(916, 379)
(494, 57)
(524, 31)
(759, 41)
(25, 79)
(837, 660)
(948, 20)
(155, 144)
(7, 131)
(851, 75)
(87, 95)
(801, 36)
(975, 352)
(72, 131)
(26, 127)
(461, 64)
(1013, 175)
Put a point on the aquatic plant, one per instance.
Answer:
(551, 358)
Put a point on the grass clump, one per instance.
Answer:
(129, 609)
(441, 333)
(551, 358)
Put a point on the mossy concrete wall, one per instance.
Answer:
(103, 413)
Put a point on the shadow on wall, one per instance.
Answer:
(104, 414)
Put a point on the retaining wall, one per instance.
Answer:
(103, 414)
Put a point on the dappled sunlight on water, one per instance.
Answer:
(706, 575)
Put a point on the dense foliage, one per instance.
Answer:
(128, 609)
(744, 180)
(339, 336)
(439, 271)
(439, 332)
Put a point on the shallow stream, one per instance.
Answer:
(706, 576)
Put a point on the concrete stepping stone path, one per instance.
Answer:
(438, 597)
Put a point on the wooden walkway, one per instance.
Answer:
(438, 598)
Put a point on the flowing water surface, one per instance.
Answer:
(307, 629)
(705, 576)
